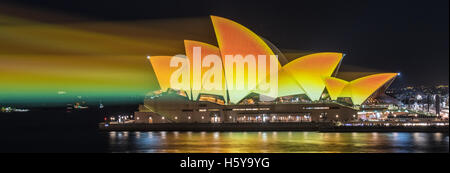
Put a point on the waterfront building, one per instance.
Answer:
(310, 88)
(179, 110)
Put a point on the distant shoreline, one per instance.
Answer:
(234, 127)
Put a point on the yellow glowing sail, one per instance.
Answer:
(235, 39)
(287, 85)
(335, 86)
(310, 70)
(164, 72)
(358, 90)
(363, 87)
(197, 83)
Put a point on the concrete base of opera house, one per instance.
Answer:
(304, 126)
(207, 112)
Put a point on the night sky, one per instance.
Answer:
(407, 36)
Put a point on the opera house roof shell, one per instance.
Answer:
(311, 75)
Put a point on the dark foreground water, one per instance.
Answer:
(277, 142)
(77, 132)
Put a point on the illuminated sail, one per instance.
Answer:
(310, 70)
(363, 87)
(335, 86)
(197, 84)
(164, 72)
(360, 89)
(235, 39)
(308, 75)
(287, 85)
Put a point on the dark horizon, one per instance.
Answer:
(410, 37)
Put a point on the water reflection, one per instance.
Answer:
(438, 137)
(276, 142)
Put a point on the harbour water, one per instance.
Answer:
(277, 142)
(56, 132)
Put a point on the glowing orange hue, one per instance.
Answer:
(235, 39)
(287, 85)
(334, 86)
(363, 87)
(360, 89)
(163, 71)
(206, 49)
(308, 75)
(310, 70)
(35, 63)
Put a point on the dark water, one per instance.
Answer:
(77, 132)
(277, 142)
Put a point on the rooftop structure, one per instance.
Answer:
(312, 75)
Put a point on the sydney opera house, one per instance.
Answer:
(310, 88)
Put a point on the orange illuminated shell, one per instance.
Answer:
(163, 71)
(206, 49)
(310, 70)
(358, 90)
(235, 39)
(363, 87)
(335, 86)
(308, 75)
(287, 85)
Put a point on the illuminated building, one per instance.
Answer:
(308, 87)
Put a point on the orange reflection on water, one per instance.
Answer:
(276, 142)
